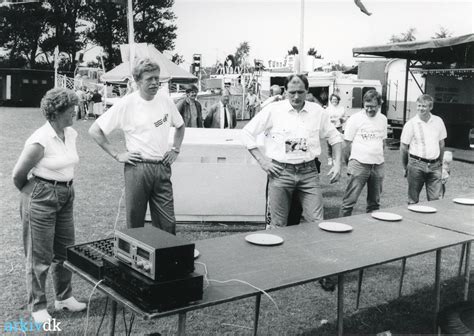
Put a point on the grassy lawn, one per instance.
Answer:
(303, 310)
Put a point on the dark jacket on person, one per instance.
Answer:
(213, 118)
(184, 109)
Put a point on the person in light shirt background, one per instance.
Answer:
(337, 115)
(364, 137)
(44, 175)
(422, 147)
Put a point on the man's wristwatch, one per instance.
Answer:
(175, 149)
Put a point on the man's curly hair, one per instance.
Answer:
(57, 101)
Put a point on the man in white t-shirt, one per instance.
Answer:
(422, 146)
(364, 135)
(145, 117)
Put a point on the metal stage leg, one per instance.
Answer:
(182, 324)
(437, 289)
(340, 304)
(258, 297)
(402, 275)
(461, 260)
(359, 287)
(467, 270)
(112, 316)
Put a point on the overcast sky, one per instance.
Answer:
(214, 28)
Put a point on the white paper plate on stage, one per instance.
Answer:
(196, 253)
(335, 227)
(466, 201)
(264, 239)
(387, 216)
(421, 208)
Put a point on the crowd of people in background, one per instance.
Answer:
(91, 104)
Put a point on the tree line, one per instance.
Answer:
(31, 31)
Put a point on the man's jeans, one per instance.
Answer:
(420, 173)
(149, 182)
(46, 212)
(303, 180)
(359, 175)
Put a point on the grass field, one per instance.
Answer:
(303, 310)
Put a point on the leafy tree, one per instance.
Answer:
(33, 29)
(63, 21)
(314, 52)
(241, 53)
(177, 59)
(408, 36)
(293, 51)
(442, 33)
(109, 28)
(153, 23)
(22, 27)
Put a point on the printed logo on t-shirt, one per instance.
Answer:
(161, 121)
(371, 134)
(296, 148)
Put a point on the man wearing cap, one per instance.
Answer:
(190, 109)
(422, 146)
(145, 117)
(293, 128)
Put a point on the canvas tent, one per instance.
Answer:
(459, 49)
(169, 71)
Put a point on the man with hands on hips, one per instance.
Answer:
(293, 128)
(145, 116)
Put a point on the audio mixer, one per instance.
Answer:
(88, 256)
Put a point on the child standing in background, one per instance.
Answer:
(446, 171)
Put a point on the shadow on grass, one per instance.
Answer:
(411, 314)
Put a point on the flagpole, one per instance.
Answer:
(131, 34)
(301, 51)
(56, 64)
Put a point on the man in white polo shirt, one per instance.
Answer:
(145, 117)
(293, 129)
(364, 135)
(422, 146)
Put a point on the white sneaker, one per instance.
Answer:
(70, 304)
(41, 316)
(329, 161)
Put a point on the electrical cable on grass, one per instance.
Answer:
(124, 320)
(103, 316)
(118, 213)
(132, 319)
(235, 280)
(118, 209)
(88, 305)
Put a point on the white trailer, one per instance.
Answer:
(349, 88)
